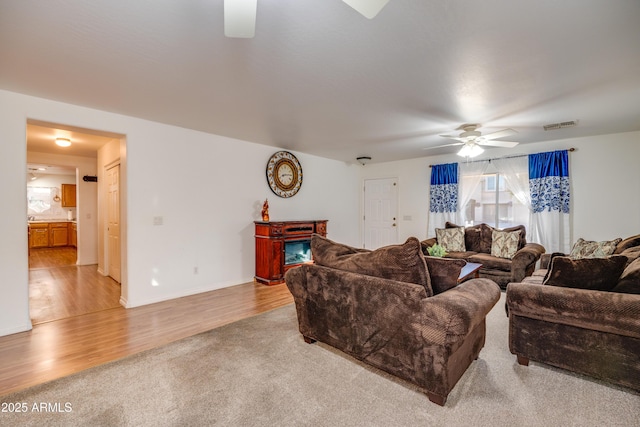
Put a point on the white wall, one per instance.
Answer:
(208, 189)
(604, 173)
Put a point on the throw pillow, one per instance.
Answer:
(444, 272)
(477, 238)
(452, 239)
(597, 274)
(404, 263)
(522, 241)
(629, 282)
(504, 244)
(590, 249)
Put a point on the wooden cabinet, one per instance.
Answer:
(73, 234)
(68, 196)
(51, 234)
(58, 234)
(39, 235)
(281, 245)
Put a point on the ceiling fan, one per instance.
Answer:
(240, 15)
(472, 140)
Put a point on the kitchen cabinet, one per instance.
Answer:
(73, 234)
(39, 235)
(58, 234)
(68, 195)
(52, 234)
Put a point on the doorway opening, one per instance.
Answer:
(65, 217)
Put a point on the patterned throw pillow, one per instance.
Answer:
(452, 239)
(504, 244)
(590, 249)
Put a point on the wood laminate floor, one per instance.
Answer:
(58, 288)
(58, 348)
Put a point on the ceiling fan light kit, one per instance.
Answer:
(368, 8)
(240, 15)
(471, 140)
(240, 18)
(470, 150)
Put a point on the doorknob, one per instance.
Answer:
(393, 225)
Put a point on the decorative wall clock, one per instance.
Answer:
(284, 174)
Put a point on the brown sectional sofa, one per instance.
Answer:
(591, 332)
(380, 307)
(478, 240)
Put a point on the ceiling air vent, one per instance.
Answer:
(561, 125)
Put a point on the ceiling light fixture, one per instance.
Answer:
(368, 8)
(470, 150)
(63, 142)
(363, 160)
(240, 18)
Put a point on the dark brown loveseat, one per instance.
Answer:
(554, 320)
(379, 307)
(478, 240)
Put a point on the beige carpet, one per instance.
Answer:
(259, 372)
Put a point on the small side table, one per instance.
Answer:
(469, 271)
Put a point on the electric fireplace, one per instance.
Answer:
(281, 245)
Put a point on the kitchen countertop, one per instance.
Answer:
(40, 221)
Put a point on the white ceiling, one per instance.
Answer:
(320, 78)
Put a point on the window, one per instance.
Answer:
(39, 199)
(495, 204)
(490, 182)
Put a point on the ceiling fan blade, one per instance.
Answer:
(457, 138)
(506, 144)
(367, 8)
(240, 18)
(445, 145)
(499, 134)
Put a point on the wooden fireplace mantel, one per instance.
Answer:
(271, 238)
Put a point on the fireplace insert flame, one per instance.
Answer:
(297, 251)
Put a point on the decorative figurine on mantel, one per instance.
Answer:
(265, 210)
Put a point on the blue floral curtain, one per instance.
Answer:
(550, 200)
(443, 203)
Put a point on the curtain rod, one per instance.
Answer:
(505, 157)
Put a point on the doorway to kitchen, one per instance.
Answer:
(65, 278)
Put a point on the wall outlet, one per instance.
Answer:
(157, 220)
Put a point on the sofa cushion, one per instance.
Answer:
(631, 253)
(627, 243)
(404, 263)
(598, 274)
(444, 272)
(504, 244)
(591, 249)
(477, 238)
(460, 255)
(491, 262)
(452, 239)
(629, 282)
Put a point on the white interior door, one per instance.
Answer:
(380, 212)
(113, 222)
